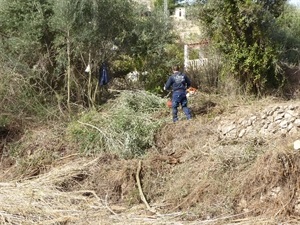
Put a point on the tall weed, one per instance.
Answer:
(207, 76)
(18, 96)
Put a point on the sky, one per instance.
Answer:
(295, 2)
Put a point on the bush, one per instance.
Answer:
(19, 97)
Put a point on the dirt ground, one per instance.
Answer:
(190, 176)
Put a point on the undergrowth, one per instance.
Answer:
(18, 98)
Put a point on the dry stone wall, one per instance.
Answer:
(275, 120)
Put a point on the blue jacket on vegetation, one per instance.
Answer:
(103, 75)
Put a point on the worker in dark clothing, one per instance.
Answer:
(179, 82)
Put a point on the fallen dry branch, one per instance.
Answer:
(140, 188)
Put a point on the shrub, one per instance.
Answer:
(18, 96)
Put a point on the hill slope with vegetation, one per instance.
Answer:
(190, 174)
(75, 151)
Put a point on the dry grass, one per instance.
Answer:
(189, 176)
(238, 179)
(273, 180)
(39, 201)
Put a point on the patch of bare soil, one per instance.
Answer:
(191, 176)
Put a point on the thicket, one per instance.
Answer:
(19, 99)
(257, 40)
(50, 43)
(47, 44)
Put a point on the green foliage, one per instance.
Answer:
(94, 26)
(154, 81)
(150, 37)
(152, 51)
(158, 74)
(46, 38)
(243, 31)
(160, 4)
(19, 97)
(123, 63)
(4, 121)
(289, 23)
(24, 29)
(25, 46)
(126, 127)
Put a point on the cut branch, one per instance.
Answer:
(140, 188)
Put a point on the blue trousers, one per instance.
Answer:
(179, 98)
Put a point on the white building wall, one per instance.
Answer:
(179, 13)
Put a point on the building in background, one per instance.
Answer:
(179, 12)
(185, 1)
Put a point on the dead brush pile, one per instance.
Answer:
(189, 173)
(226, 180)
(125, 126)
(271, 185)
(41, 201)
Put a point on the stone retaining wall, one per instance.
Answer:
(276, 120)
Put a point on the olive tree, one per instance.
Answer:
(24, 31)
(56, 39)
(86, 31)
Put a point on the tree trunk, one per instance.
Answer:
(69, 70)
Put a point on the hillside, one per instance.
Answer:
(234, 163)
(83, 143)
